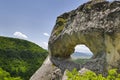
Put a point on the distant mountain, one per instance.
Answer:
(20, 58)
(77, 55)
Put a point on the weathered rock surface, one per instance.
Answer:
(94, 24)
(47, 71)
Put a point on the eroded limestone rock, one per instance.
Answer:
(95, 25)
(47, 71)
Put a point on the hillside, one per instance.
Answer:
(19, 57)
(77, 55)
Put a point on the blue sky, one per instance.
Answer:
(32, 19)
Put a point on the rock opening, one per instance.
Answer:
(81, 52)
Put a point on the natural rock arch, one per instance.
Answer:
(64, 46)
(96, 25)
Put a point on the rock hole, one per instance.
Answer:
(81, 54)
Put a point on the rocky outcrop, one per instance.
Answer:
(94, 24)
(47, 71)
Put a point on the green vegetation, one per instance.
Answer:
(81, 61)
(20, 58)
(60, 23)
(6, 76)
(89, 75)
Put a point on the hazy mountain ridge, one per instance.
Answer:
(81, 55)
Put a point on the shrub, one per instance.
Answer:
(90, 75)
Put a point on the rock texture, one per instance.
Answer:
(47, 72)
(94, 24)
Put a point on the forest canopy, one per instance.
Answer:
(20, 58)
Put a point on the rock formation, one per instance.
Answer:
(96, 25)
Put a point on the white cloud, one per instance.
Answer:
(44, 45)
(82, 48)
(20, 35)
(46, 34)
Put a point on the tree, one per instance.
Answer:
(6, 76)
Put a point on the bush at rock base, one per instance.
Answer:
(90, 75)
